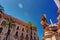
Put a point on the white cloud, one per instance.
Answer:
(20, 5)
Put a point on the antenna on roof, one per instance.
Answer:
(51, 22)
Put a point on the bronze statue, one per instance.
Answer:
(44, 23)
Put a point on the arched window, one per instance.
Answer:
(3, 23)
(23, 29)
(8, 31)
(34, 33)
(4, 38)
(31, 38)
(27, 38)
(21, 36)
(12, 25)
(16, 34)
(31, 30)
(0, 15)
(34, 38)
(1, 30)
(18, 28)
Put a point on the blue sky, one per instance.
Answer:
(31, 11)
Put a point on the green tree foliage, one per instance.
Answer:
(1, 8)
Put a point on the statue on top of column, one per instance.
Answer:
(44, 23)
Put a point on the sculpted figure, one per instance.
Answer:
(44, 23)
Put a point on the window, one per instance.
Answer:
(8, 32)
(18, 28)
(31, 30)
(0, 37)
(34, 33)
(16, 34)
(0, 15)
(6, 19)
(31, 37)
(11, 25)
(4, 38)
(23, 29)
(34, 38)
(3, 23)
(1, 30)
(21, 36)
(27, 38)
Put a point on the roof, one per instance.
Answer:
(15, 19)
